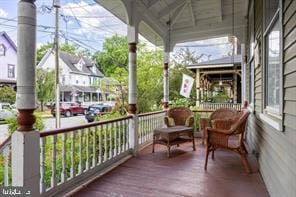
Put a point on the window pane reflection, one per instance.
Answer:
(273, 67)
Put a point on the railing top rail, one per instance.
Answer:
(6, 142)
(151, 113)
(84, 126)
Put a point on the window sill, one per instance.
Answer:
(273, 122)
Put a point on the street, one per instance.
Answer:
(49, 124)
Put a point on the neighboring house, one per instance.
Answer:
(213, 76)
(8, 61)
(79, 76)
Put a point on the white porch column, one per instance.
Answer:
(132, 35)
(197, 87)
(235, 88)
(25, 141)
(243, 75)
(166, 97)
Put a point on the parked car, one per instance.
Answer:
(97, 110)
(68, 109)
(7, 111)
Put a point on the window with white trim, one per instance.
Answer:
(273, 69)
(273, 53)
(11, 71)
(252, 81)
(2, 50)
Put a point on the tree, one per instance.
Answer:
(42, 51)
(7, 94)
(45, 85)
(64, 47)
(181, 60)
(113, 60)
(149, 79)
(113, 55)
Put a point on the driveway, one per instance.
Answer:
(49, 124)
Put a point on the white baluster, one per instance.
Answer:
(111, 141)
(95, 131)
(53, 161)
(120, 135)
(123, 136)
(73, 173)
(115, 139)
(64, 159)
(105, 142)
(140, 130)
(87, 150)
(127, 133)
(6, 160)
(100, 144)
(42, 164)
(80, 152)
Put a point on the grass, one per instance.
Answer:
(44, 114)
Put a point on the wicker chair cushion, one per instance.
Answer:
(188, 119)
(171, 122)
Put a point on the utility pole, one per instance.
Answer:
(56, 5)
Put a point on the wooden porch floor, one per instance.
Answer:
(182, 175)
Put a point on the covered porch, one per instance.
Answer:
(78, 160)
(182, 175)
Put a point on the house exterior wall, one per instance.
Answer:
(9, 58)
(67, 77)
(276, 149)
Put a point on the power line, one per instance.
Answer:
(75, 7)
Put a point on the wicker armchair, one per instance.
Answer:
(223, 113)
(180, 116)
(228, 134)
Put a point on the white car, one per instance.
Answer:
(7, 111)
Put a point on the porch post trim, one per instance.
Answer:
(25, 142)
(166, 80)
(25, 97)
(132, 94)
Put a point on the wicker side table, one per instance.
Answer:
(173, 136)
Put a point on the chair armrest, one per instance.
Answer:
(168, 122)
(191, 121)
(217, 137)
(204, 123)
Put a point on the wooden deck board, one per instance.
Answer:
(182, 175)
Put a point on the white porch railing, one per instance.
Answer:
(213, 106)
(70, 155)
(5, 162)
(147, 123)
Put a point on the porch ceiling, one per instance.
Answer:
(190, 19)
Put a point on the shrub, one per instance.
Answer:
(182, 102)
(12, 124)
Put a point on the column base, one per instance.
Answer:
(132, 108)
(166, 105)
(26, 160)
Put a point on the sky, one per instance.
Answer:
(87, 24)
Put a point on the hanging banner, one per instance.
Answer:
(186, 87)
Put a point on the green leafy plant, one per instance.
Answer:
(12, 124)
(7, 94)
